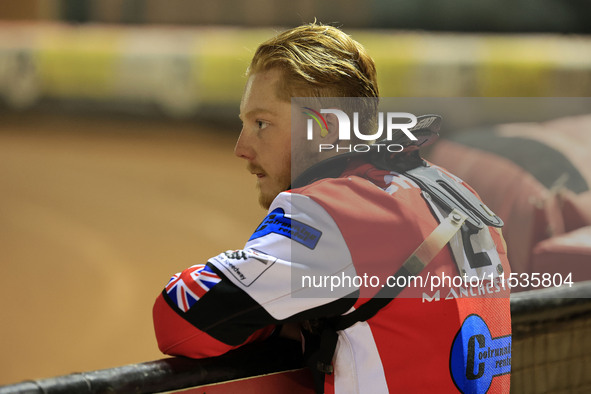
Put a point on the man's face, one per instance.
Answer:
(265, 139)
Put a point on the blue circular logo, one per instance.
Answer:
(476, 357)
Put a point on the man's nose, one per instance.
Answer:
(243, 148)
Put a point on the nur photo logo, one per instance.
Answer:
(388, 123)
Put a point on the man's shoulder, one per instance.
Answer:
(358, 175)
(346, 188)
(367, 177)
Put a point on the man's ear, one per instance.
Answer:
(332, 134)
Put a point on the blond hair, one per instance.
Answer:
(317, 61)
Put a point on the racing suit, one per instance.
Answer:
(361, 224)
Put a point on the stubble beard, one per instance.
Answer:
(267, 197)
(298, 162)
(273, 184)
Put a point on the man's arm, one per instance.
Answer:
(206, 328)
(243, 296)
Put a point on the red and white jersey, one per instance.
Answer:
(325, 249)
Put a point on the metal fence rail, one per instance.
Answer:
(552, 340)
(171, 373)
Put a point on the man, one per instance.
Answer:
(336, 214)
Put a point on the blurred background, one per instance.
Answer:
(118, 119)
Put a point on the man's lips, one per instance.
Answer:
(256, 171)
(258, 174)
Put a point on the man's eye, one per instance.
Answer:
(261, 124)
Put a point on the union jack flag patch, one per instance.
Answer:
(186, 287)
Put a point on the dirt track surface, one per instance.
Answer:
(95, 215)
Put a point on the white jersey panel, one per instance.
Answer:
(357, 364)
(288, 264)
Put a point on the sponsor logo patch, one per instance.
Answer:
(476, 357)
(245, 265)
(278, 223)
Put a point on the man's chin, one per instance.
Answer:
(265, 200)
(267, 196)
